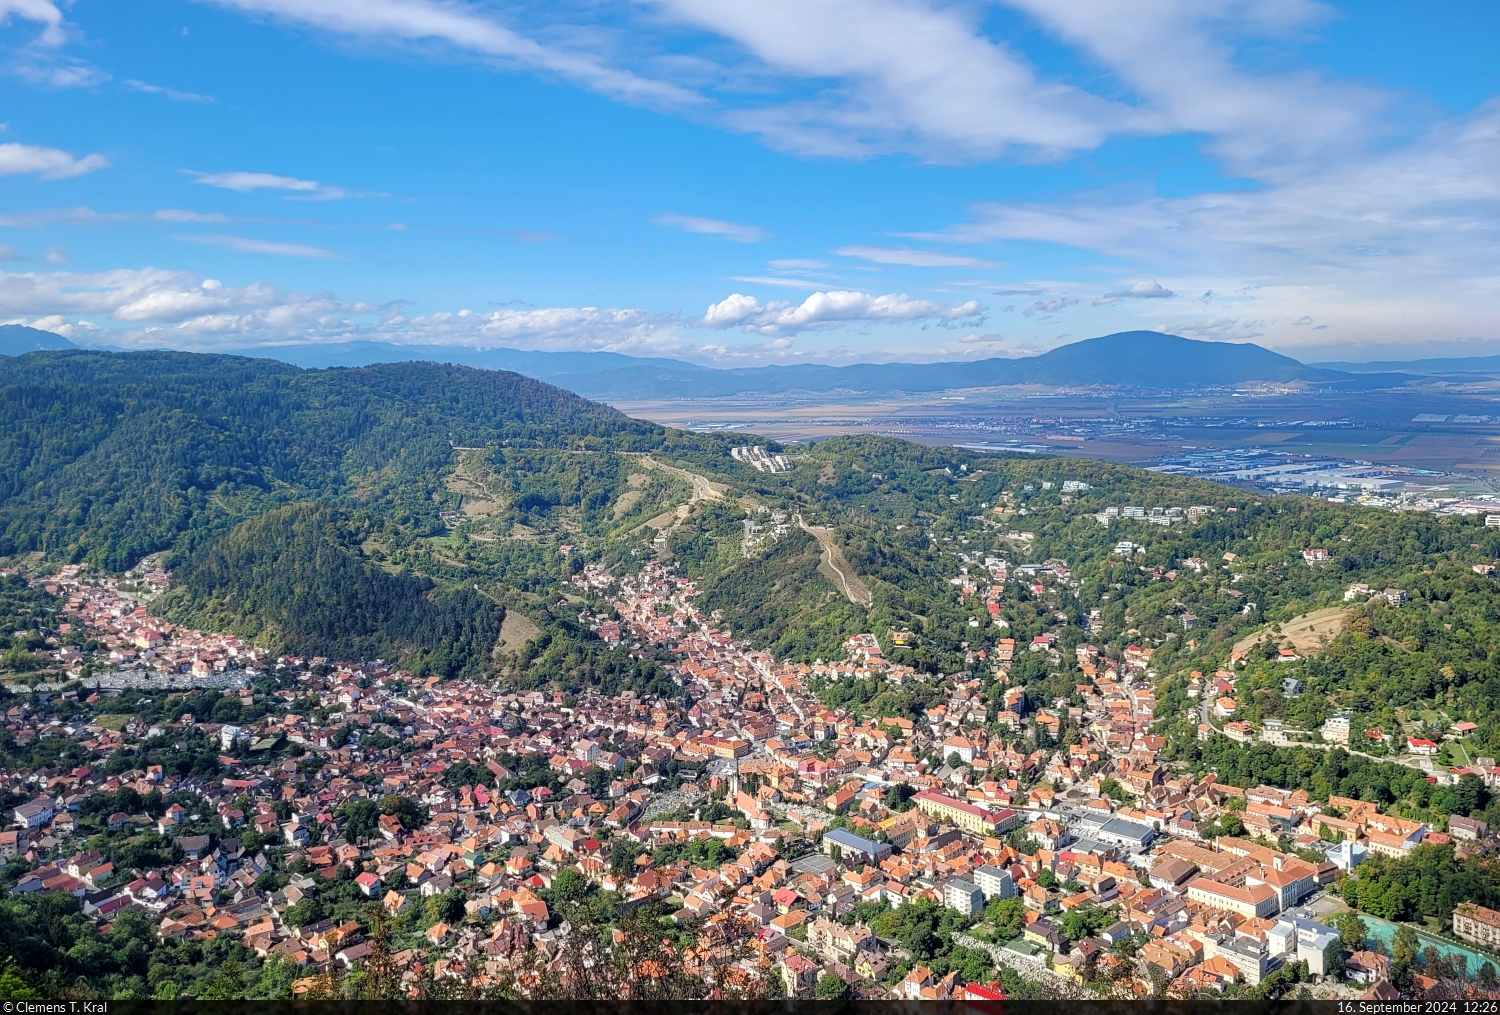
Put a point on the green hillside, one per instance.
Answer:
(295, 580)
(403, 511)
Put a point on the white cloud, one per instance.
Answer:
(245, 183)
(468, 31)
(797, 264)
(42, 11)
(829, 309)
(712, 227)
(246, 245)
(1377, 242)
(1045, 307)
(1219, 329)
(786, 283)
(1152, 290)
(47, 163)
(154, 308)
(1179, 57)
(58, 72)
(56, 255)
(892, 75)
(181, 215)
(9, 253)
(171, 93)
(914, 258)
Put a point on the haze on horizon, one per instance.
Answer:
(740, 183)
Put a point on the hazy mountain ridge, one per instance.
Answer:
(1143, 359)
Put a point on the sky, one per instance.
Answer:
(738, 182)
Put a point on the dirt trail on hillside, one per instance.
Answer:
(835, 567)
(703, 489)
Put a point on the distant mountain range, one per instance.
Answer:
(1427, 367)
(16, 339)
(1130, 358)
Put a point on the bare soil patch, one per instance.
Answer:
(515, 631)
(1306, 634)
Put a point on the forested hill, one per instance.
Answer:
(315, 510)
(295, 579)
(110, 457)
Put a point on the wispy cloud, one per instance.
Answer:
(46, 163)
(247, 245)
(467, 30)
(170, 93)
(182, 215)
(785, 283)
(43, 12)
(914, 258)
(712, 227)
(245, 183)
(1045, 307)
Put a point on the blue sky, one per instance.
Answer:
(746, 182)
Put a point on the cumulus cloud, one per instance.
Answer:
(9, 253)
(712, 227)
(153, 307)
(914, 258)
(247, 245)
(1152, 290)
(46, 163)
(829, 309)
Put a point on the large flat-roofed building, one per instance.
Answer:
(1477, 924)
(854, 848)
(1253, 901)
(970, 817)
(1129, 834)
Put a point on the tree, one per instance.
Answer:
(361, 820)
(445, 908)
(832, 988)
(569, 885)
(303, 913)
(898, 796)
(1469, 793)
(1006, 916)
(1352, 930)
(226, 984)
(406, 810)
(13, 986)
(1231, 825)
(1404, 948)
